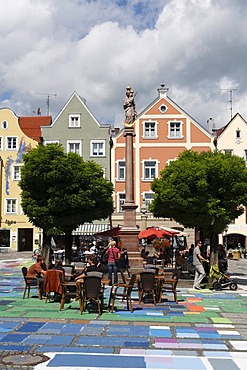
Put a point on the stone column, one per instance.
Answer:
(129, 232)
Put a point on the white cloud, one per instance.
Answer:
(99, 47)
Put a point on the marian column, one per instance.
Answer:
(129, 232)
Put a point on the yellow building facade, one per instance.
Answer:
(16, 232)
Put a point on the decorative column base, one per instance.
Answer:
(130, 241)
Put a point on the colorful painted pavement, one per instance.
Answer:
(205, 330)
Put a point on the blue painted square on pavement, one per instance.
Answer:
(9, 324)
(60, 340)
(51, 327)
(14, 347)
(14, 338)
(37, 339)
(71, 329)
(31, 327)
(97, 361)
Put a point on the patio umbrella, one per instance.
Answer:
(153, 233)
(172, 231)
(115, 231)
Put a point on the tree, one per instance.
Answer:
(61, 191)
(203, 190)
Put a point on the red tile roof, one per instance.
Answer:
(31, 125)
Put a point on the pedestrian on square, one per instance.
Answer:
(197, 262)
(113, 255)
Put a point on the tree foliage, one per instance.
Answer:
(203, 190)
(61, 191)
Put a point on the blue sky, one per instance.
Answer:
(198, 48)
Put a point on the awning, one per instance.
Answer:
(90, 229)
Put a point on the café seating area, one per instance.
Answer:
(152, 285)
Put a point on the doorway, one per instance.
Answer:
(25, 240)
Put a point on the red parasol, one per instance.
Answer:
(153, 233)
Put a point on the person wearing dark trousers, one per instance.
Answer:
(113, 255)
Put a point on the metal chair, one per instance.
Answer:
(125, 293)
(29, 284)
(91, 291)
(147, 285)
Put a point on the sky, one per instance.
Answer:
(197, 48)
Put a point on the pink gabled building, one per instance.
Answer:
(163, 130)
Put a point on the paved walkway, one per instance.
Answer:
(206, 330)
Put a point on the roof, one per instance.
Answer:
(31, 126)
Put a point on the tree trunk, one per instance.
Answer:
(68, 246)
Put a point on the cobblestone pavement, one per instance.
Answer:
(205, 330)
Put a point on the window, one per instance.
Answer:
(11, 206)
(47, 142)
(74, 120)
(11, 143)
(97, 148)
(4, 125)
(121, 200)
(149, 170)
(163, 108)
(148, 198)
(175, 129)
(238, 134)
(121, 170)
(150, 129)
(245, 155)
(74, 147)
(228, 151)
(16, 173)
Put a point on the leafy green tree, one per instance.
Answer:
(203, 190)
(61, 191)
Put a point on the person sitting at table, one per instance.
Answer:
(36, 271)
(58, 265)
(91, 266)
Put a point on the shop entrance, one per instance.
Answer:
(25, 240)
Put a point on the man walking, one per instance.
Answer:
(197, 262)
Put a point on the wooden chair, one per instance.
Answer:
(91, 291)
(69, 291)
(29, 284)
(125, 293)
(169, 285)
(147, 285)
